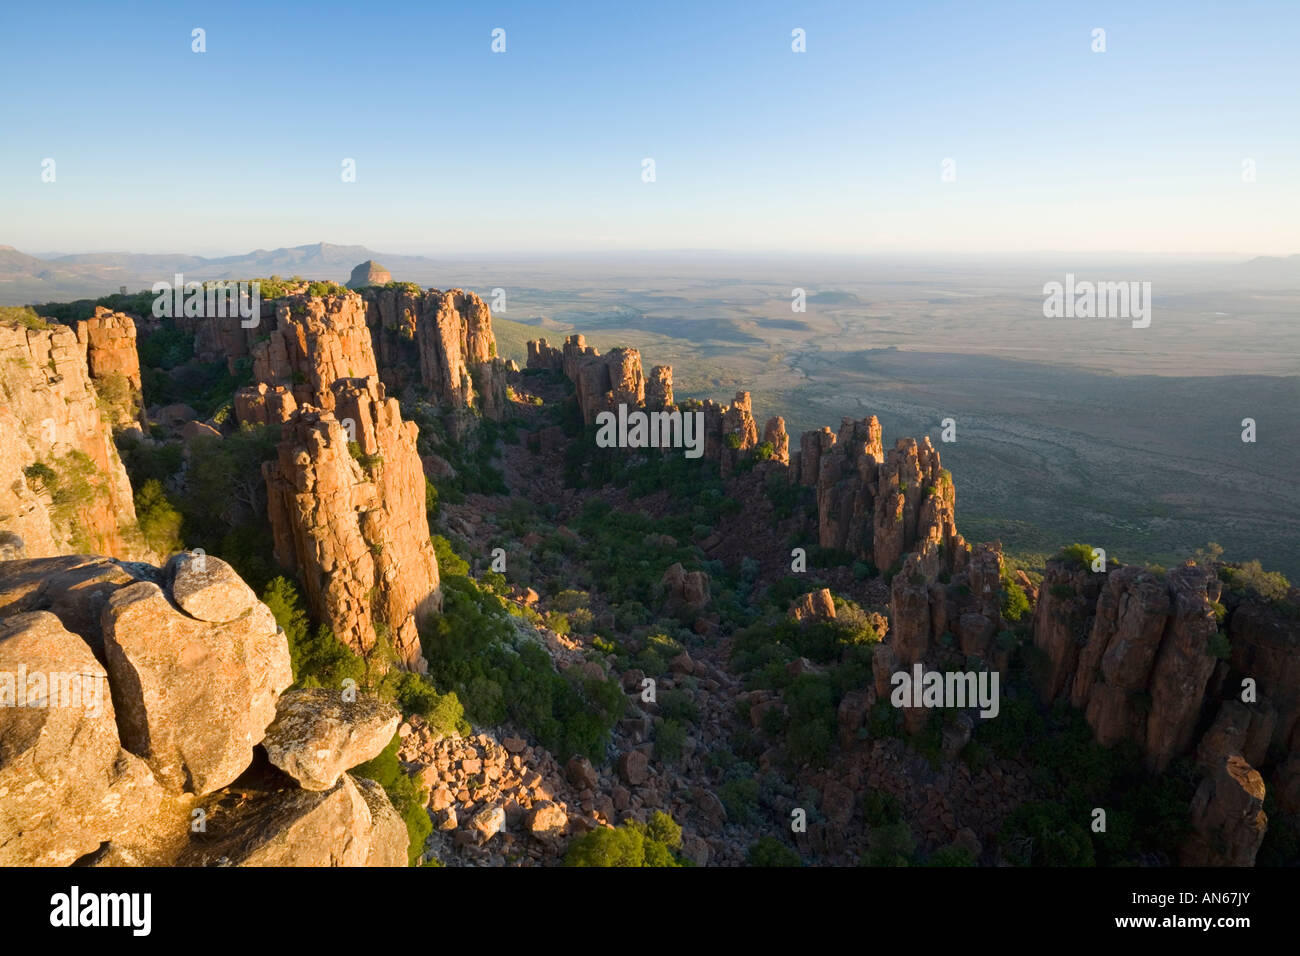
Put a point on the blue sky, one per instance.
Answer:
(838, 149)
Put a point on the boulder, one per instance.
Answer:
(66, 784)
(547, 820)
(334, 827)
(581, 773)
(193, 697)
(634, 768)
(317, 735)
(814, 606)
(208, 589)
(488, 822)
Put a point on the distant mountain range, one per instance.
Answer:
(28, 279)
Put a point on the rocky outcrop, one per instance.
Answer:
(314, 342)
(369, 273)
(349, 518)
(1228, 820)
(194, 687)
(774, 434)
(114, 364)
(317, 735)
(1131, 649)
(440, 342)
(602, 382)
(63, 488)
(66, 783)
(334, 827)
(814, 606)
(658, 387)
(264, 404)
(130, 704)
(879, 507)
(684, 589)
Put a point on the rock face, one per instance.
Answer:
(317, 735)
(604, 382)
(1265, 646)
(1228, 820)
(314, 342)
(63, 488)
(75, 588)
(264, 404)
(114, 364)
(814, 606)
(105, 764)
(440, 342)
(66, 784)
(369, 273)
(775, 435)
(658, 387)
(687, 589)
(333, 827)
(354, 528)
(193, 695)
(875, 506)
(1129, 649)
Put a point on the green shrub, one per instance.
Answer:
(951, 856)
(159, 521)
(317, 657)
(24, 316)
(407, 796)
(669, 737)
(769, 851)
(1251, 576)
(740, 798)
(1015, 603)
(631, 844)
(1039, 833)
(570, 600)
(1077, 553)
(891, 844)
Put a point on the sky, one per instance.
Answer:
(541, 148)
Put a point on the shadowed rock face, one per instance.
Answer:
(1228, 820)
(334, 827)
(439, 343)
(63, 488)
(1132, 650)
(355, 529)
(604, 382)
(66, 784)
